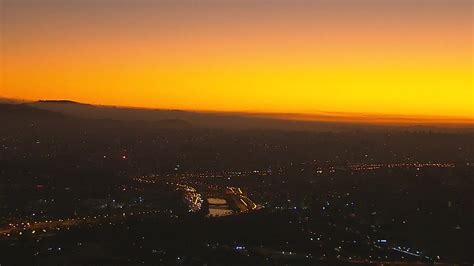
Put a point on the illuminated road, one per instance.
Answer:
(243, 202)
(51, 226)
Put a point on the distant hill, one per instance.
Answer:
(237, 121)
(88, 111)
(24, 110)
(233, 121)
(45, 111)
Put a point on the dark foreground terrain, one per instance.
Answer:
(79, 191)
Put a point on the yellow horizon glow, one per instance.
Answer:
(419, 66)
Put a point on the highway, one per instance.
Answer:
(243, 202)
(51, 226)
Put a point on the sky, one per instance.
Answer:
(372, 57)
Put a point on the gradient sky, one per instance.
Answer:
(393, 57)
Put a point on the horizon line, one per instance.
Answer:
(316, 116)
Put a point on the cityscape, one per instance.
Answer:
(83, 191)
(236, 133)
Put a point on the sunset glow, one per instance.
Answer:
(414, 58)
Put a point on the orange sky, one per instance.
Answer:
(391, 57)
